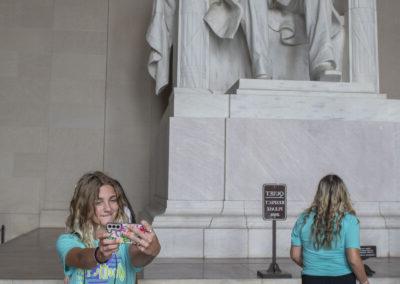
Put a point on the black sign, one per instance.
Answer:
(274, 202)
(367, 251)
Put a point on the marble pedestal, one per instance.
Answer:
(221, 148)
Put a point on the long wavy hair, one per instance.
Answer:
(82, 206)
(331, 203)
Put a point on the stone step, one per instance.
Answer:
(260, 99)
(305, 86)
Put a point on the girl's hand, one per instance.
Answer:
(147, 242)
(106, 247)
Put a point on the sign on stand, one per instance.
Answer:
(367, 251)
(274, 205)
(274, 208)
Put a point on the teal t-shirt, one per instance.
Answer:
(118, 267)
(326, 262)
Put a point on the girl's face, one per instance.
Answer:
(106, 206)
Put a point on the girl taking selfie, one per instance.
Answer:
(87, 252)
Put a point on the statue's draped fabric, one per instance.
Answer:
(160, 37)
(312, 22)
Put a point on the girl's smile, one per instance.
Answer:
(106, 206)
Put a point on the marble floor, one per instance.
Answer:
(245, 268)
(33, 256)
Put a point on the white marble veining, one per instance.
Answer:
(321, 107)
(300, 152)
(187, 207)
(379, 238)
(199, 103)
(229, 222)
(394, 237)
(192, 45)
(363, 43)
(182, 221)
(299, 86)
(181, 243)
(260, 242)
(225, 243)
(196, 159)
(274, 99)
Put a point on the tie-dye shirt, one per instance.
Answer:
(118, 269)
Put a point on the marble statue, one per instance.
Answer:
(314, 22)
(160, 37)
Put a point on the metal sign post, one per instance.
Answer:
(274, 208)
(3, 232)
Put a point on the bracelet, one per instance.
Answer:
(95, 257)
(365, 282)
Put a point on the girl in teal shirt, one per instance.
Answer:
(326, 237)
(86, 252)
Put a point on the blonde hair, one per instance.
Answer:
(331, 203)
(82, 206)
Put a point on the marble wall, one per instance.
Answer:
(389, 46)
(75, 96)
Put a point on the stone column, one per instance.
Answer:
(363, 43)
(193, 45)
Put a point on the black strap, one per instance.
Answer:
(95, 256)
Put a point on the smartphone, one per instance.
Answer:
(117, 231)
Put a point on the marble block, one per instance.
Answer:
(199, 103)
(260, 242)
(244, 86)
(300, 152)
(229, 222)
(181, 243)
(278, 99)
(189, 207)
(275, 99)
(225, 243)
(182, 220)
(196, 159)
(378, 238)
(394, 247)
